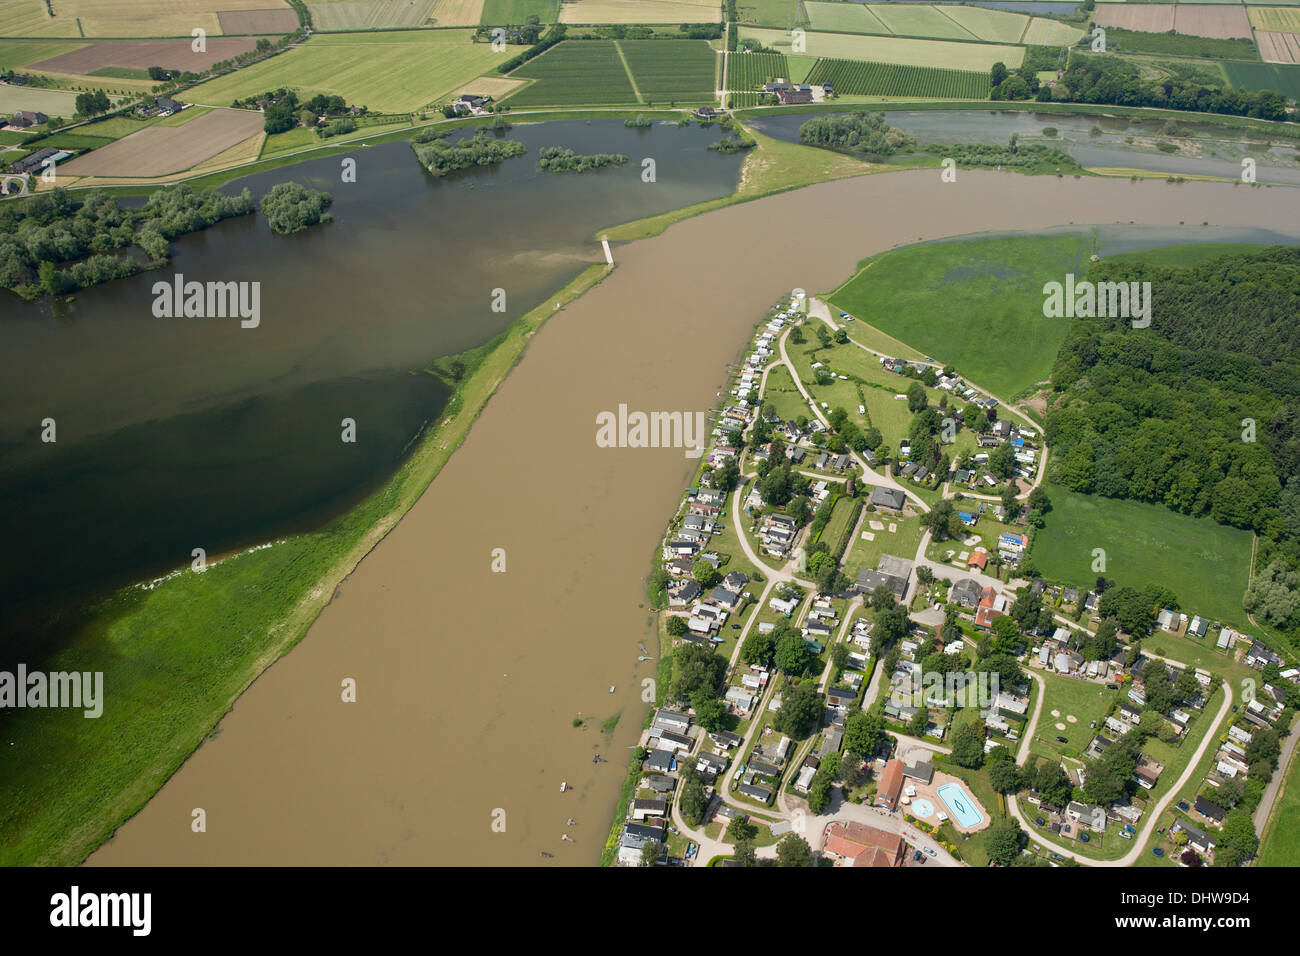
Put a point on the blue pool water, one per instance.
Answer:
(961, 806)
(922, 809)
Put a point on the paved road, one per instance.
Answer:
(1275, 782)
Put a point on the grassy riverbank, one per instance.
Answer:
(176, 657)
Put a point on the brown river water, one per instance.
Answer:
(468, 680)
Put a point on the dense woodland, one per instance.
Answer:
(862, 134)
(1200, 412)
(57, 244)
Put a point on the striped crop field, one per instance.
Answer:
(576, 72)
(672, 69)
(745, 71)
(945, 54)
(857, 78)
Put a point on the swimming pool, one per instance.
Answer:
(961, 806)
(922, 808)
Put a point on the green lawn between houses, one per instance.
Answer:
(1205, 564)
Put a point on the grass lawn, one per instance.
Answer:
(780, 391)
(390, 72)
(1205, 564)
(974, 304)
(1085, 700)
(987, 529)
(865, 555)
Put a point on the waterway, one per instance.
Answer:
(469, 680)
(183, 433)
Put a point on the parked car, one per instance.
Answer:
(1063, 740)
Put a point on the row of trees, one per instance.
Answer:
(1113, 80)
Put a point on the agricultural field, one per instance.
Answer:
(966, 302)
(640, 11)
(1146, 17)
(773, 13)
(856, 78)
(1205, 564)
(29, 18)
(576, 72)
(93, 58)
(503, 12)
(15, 54)
(1278, 19)
(49, 102)
(175, 18)
(675, 70)
(159, 150)
(388, 72)
(1044, 32)
(748, 70)
(839, 17)
(1221, 22)
(279, 21)
(917, 20)
(1278, 47)
(900, 50)
(344, 15)
(997, 26)
(1282, 78)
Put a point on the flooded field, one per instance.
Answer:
(468, 681)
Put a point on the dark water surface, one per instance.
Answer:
(181, 433)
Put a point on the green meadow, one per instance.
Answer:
(1205, 564)
(973, 304)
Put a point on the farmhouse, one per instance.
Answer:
(29, 118)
